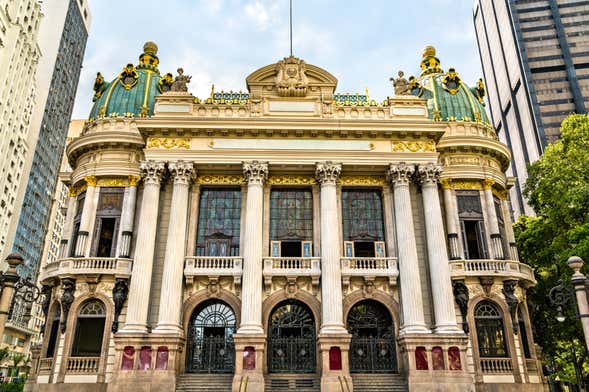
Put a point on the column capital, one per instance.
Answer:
(428, 174)
(327, 172)
(91, 180)
(400, 173)
(134, 180)
(446, 183)
(152, 171)
(488, 183)
(255, 172)
(183, 172)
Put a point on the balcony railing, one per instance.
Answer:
(83, 365)
(496, 365)
(214, 266)
(501, 268)
(369, 268)
(292, 268)
(45, 365)
(532, 365)
(121, 267)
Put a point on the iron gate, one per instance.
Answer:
(373, 348)
(210, 339)
(291, 339)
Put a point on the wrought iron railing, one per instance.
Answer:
(496, 365)
(83, 365)
(291, 354)
(373, 355)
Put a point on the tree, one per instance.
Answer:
(558, 190)
(16, 359)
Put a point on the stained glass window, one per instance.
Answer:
(218, 222)
(291, 215)
(362, 215)
(490, 332)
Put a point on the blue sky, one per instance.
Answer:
(362, 43)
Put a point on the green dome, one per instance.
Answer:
(132, 93)
(448, 97)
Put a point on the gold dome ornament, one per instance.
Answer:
(98, 86)
(149, 56)
(430, 63)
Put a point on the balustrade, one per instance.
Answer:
(496, 365)
(45, 365)
(121, 267)
(292, 268)
(369, 268)
(504, 268)
(83, 365)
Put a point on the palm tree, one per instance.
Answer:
(17, 359)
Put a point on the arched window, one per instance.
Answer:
(490, 331)
(89, 329)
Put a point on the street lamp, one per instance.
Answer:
(564, 295)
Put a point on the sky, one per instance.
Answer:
(362, 43)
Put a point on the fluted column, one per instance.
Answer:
(68, 226)
(410, 281)
(138, 301)
(255, 174)
(451, 220)
(171, 292)
(332, 321)
(439, 269)
(496, 247)
(513, 254)
(86, 219)
(127, 217)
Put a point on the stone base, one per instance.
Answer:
(501, 387)
(442, 379)
(249, 366)
(335, 380)
(152, 379)
(81, 387)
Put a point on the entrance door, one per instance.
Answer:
(291, 339)
(372, 349)
(210, 346)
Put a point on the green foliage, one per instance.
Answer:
(4, 354)
(12, 386)
(558, 190)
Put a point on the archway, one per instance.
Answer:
(291, 338)
(210, 347)
(373, 348)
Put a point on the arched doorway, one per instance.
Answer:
(209, 343)
(373, 348)
(89, 329)
(291, 338)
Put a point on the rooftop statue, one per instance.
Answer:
(401, 84)
(181, 81)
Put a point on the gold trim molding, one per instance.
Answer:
(90, 180)
(413, 146)
(362, 180)
(78, 188)
(291, 180)
(219, 180)
(168, 142)
(466, 185)
(113, 182)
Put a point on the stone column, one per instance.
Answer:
(452, 225)
(171, 292)
(88, 211)
(138, 302)
(66, 240)
(410, 280)
(579, 282)
(128, 217)
(509, 228)
(255, 174)
(332, 321)
(439, 269)
(496, 246)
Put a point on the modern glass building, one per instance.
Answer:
(535, 57)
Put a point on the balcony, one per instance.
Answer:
(212, 268)
(510, 269)
(45, 365)
(369, 268)
(292, 268)
(120, 267)
(496, 365)
(83, 365)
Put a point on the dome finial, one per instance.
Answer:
(150, 47)
(430, 63)
(148, 58)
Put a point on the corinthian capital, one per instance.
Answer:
(327, 172)
(400, 173)
(255, 172)
(429, 173)
(152, 171)
(183, 172)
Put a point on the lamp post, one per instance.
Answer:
(565, 295)
(8, 281)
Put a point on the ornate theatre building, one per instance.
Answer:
(287, 238)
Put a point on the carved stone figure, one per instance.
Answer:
(68, 286)
(98, 86)
(46, 291)
(511, 300)
(401, 85)
(181, 81)
(461, 297)
(291, 79)
(119, 296)
(480, 90)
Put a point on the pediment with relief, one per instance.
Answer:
(291, 77)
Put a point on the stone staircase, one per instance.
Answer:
(292, 382)
(379, 383)
(191, 382)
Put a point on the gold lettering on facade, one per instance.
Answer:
(291, 180)
(219, 180)
(467, 185)
(362, 180)
(413, 146)
(166, 142)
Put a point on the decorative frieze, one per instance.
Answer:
(291, 180)
(78, 188)
(152, 171)
(168, 142)
(362, 180)
(413, 146)
(328, 172)
(217, 179)
(255, 172)
(90, 180)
